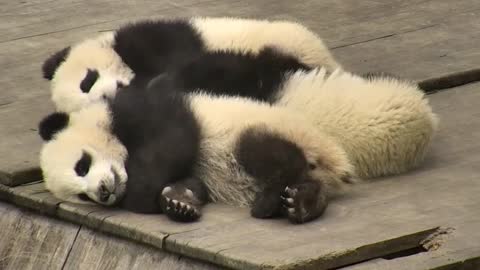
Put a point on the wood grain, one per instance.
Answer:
(93, 250)
(32, 242)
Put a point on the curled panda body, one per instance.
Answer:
(96, 68)
(323, 133)
(187, 148)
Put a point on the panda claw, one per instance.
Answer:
(179, 205)
(291, 192)
(166, 190)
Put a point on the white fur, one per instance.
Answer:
(346, 125)
(87, 131)
(95, 53)
(242, 35)
(225, 178)
(385, 125)
(250, 35)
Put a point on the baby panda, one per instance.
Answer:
(96, 68)
(181, 149)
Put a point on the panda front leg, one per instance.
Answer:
(282, 172)
(183, 200)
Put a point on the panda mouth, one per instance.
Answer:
(83, 197)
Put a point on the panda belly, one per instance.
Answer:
(233, 128)
(225, 179)
(222, 121)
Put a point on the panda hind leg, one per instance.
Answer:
(276, 163)
(305, 201)
(183, 200)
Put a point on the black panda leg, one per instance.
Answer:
(305, 201)
(275, 163)
(183, 200)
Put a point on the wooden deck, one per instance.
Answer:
(436, 207)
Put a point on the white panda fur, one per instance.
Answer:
(355, 126)
(95, 54)
(64, 152)
(345, 125)
(250, 35)
(225, 178)
(116, 67)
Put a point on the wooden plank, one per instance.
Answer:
(46, 17)
(93, 250)
(458, 250)
(32, 242)
(21, 137)
(142, 228)
(373, 220)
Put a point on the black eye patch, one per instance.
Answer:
(83, 164)
(89, 80)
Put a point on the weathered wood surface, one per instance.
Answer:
(372, 221)
(416, 39)
(33, 242)
(93, 250)
(459, 250)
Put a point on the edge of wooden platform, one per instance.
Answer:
(33, 196)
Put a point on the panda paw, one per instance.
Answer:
(179, 204)
(303, 202)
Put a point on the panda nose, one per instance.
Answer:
(104, 193)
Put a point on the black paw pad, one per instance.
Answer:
(303, 203)
(179, 206)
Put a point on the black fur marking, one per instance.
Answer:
(275, 162)
(305, 201)
(182, 200)
(89, 80)
(51, 64)
(84, 197)
(82, 167)
(239, 74)
(52, 124)
(162, 138)
(150, 47)
(120, 85)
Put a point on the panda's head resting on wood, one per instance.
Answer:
(86, 72)
(81, 161)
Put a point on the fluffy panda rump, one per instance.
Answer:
(384, 124)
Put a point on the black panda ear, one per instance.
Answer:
(51, 64)
(52, 124)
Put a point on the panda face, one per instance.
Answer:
(86, 73)
(83, 162)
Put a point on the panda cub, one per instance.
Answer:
(183, 149)
(96, 68)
